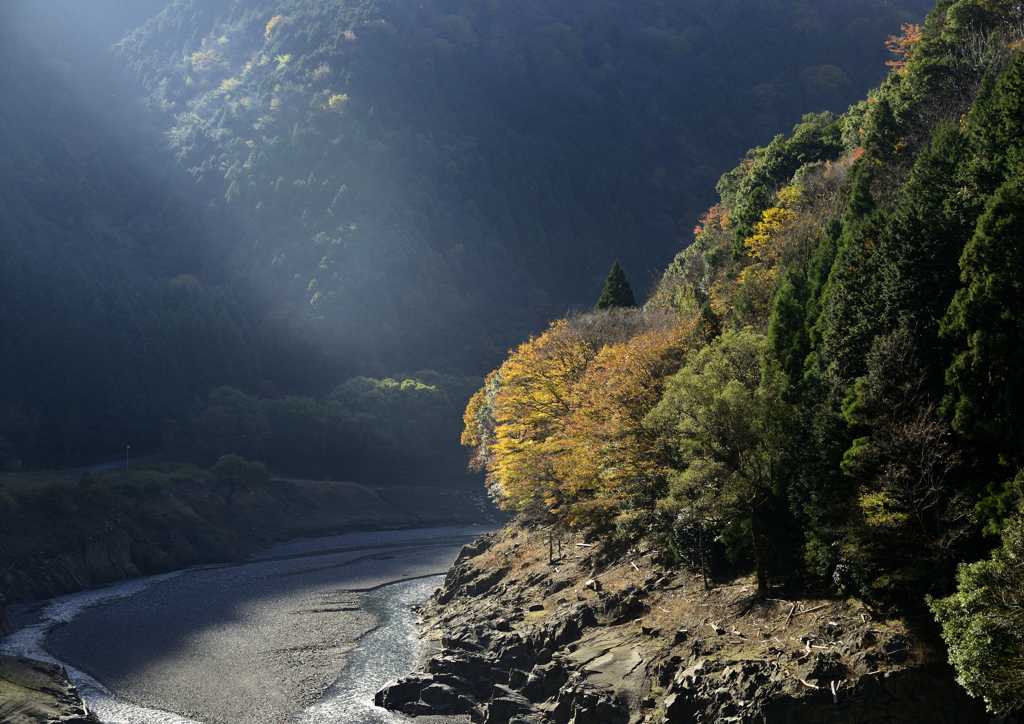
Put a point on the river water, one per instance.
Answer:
(210, 641)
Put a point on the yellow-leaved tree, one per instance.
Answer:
(516, 422)
(773, 234)
(274, 22)
(611, 469)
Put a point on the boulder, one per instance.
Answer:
(474, 549)
(395, 695)
(485, 583)
(439, 695)
(505, 704)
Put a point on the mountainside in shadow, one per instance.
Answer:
(302, 192)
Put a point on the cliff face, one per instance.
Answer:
(518, 634)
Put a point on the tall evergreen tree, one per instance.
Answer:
(987, 316)
(616, 292)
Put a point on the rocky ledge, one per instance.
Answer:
(34, 692)
(519, 635)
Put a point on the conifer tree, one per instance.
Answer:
(986, 317)
(616, 292)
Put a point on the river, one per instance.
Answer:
(265, 640)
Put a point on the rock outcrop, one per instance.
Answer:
(34, 692)
(520, 640)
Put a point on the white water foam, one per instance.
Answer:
(384, 654)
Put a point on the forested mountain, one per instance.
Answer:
(243, 227)
(301, 192)
(827, 380)
(104, 329)
(424, 175)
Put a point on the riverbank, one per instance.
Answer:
(246, 643)
(60, 535)
(538, 626)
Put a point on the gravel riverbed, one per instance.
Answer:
(252, 642)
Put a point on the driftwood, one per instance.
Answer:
(810, 609)
(790, 617)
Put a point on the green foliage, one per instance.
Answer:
(912, 509)
(986, 317)
(874, 474)
(544, 191)
(983, 319)
(100, 492)
(725, 421)
(816, 139)
(398, 423)
(797, 307)
(915, 272)
(688, 280)
(882, 139)
(983, 623)
(843, 331)
(300, 432)
(616, 292)
(232, 421)
(366, 427)
(236, 473)
(998, 503)
(787, 332)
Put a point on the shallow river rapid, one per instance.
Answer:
(259, 641)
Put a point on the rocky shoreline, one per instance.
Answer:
(519, 635)
(34, 691)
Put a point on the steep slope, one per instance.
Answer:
(429, 176)
(319, 190)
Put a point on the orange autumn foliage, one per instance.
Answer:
(529, 408)
(561, 420)
(611, 469)
(902, 45)
(715, 219)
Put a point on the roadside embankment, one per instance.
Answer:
(535, 630)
